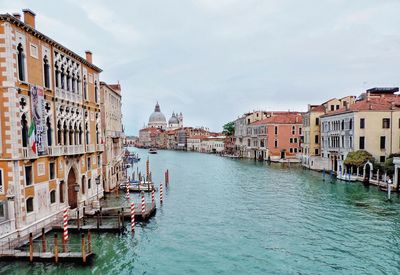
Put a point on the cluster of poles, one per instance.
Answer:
(143, 201)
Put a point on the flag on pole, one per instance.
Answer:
(32, 136)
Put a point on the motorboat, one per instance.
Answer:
(152, 151)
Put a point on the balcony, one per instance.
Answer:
(27, 153)
(100, 147)
(66, 150)
(90, 148)
(65, 95)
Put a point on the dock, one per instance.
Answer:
(18, 255)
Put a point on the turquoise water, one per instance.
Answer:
(223, 216)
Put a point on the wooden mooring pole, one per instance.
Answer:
(119, 220)
(83, 249)
(43, 241)
(89, 239)
(30, 247)
(55, 248)
(77, 219)
(98, 220)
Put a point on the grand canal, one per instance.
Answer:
(241, 217)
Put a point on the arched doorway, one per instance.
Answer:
(72, 195)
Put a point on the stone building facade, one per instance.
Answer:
(50, 129)
(111, 119)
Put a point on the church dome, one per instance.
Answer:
(173, 119)
(157, 118)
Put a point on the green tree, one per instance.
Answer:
(388, 165)
(358, 158)
(229, 128)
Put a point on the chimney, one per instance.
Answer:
(17, 15)
(88, 56)
(29, 17)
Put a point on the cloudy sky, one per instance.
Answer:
(216, 59)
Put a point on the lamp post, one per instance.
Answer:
(98, 183)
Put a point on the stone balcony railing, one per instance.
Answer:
(70, 96)
(66, 150)
(100, 147)
(90, 148)
(27, 153)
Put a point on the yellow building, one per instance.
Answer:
(311, 140)
(50, 130)
(371, 124)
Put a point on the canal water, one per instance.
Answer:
(229, 216)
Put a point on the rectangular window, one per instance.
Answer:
(1, 181)
(62, 186)
(2, 210)
(89, 183)
(382, 159)
(332, 107)
(291, 140)
(299, 130)
(290, 150)
(337, 107)
(316, 139)
(386, 123)
(52, 170)
(362, 143)
(98, 161)
(316, 151)
(34, 51)
(89, 164)
(276, 144)
(295, 140)
(362, 123)
(383, 142)
(293, 130)
(28, 175)
(276, 130)
(317, 121)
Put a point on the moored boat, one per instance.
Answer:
(152, 151)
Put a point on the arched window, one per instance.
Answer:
(342, 125)
(65, 134)
(62, 187)
(83, 184)
(95, 92)
(24, 124)
(73, 83)
(97, 134)
(78, 84)
(80, 135)
(87, 133)
(71, 134)
(351, 124)
(49, 131)
(46, 72)
(84, 87)
(57, 76)
(59, 133)
(62, 77)
(21, 62)
(68, 81)
(29, 205)
(52, 196)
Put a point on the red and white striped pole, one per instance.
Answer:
(133, 216)
(65, 219)
(153, 200)
(127, 190)
(143, 205)
(161, 193)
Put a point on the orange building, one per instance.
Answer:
(276, 137)
(50, 130)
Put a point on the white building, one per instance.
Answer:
(213, 144)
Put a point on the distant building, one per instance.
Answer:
(157, 119)
(212, 144)
(111, 119)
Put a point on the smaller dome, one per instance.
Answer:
(173, 120)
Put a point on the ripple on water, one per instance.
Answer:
(224, 216)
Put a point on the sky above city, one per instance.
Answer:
(213, 60)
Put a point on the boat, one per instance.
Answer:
(136, 186)
(152, 151)
(347, 177)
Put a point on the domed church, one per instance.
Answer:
(157, 119)
(176, 121)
